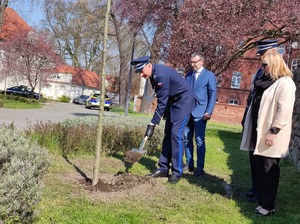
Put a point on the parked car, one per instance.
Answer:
(80, 99)
(22, 91)
(94, 101)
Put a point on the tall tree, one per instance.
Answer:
(3, 5)
(124, 40)
(31, 56)
(224, 30)
(78, 30)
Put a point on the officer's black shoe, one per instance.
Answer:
(158, 173)
(173, 179)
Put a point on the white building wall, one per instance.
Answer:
(58, 85)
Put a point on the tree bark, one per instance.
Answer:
(156, 46)
(3, 5)
(124, 58)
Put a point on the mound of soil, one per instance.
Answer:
(117, 183)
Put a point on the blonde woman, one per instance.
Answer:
(267, 127)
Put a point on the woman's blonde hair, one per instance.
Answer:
(277, 66)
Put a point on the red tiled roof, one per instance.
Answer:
(12, 23)
(80, 76)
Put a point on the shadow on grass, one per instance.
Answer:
(87, 179)
(147, 162)
(237, 161)
(288, 197)
(212, 184)
(95, 115)
(85, 114)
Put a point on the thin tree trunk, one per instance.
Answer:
(101, 110)
(146, 103)
(2, 8)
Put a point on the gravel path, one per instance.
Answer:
(54, 112)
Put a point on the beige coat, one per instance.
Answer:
(276, 109)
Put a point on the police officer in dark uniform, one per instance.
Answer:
(175, 98)
(263, 47)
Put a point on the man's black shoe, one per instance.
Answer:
(173, 179)
(199, 173)
(191, 169)
(158, 173)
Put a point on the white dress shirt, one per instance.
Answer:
(197, 73)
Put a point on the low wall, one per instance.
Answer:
(226, 113)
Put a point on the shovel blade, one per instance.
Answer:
(138, 150)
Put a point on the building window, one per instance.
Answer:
(236, 80)
(295, 63)
(233, 102)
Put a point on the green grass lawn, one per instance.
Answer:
(121, 110)
(192, 200)
(13, 104)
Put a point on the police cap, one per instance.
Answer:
(264, 45)
(140, 63)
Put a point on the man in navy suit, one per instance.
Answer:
(204, 84)
(175, 101)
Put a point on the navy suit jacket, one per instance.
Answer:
(205, 89)
(172, 92)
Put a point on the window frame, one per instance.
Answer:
(236, 80)
(234, 102)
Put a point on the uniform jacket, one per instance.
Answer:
(205, 89)
(171, 91)
(276, 110)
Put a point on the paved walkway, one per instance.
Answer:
(54, 112)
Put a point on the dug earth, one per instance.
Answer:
(119, 182)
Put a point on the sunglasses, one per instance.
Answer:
(264, 65)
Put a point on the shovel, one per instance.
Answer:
(140, 149)
(134, 155)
